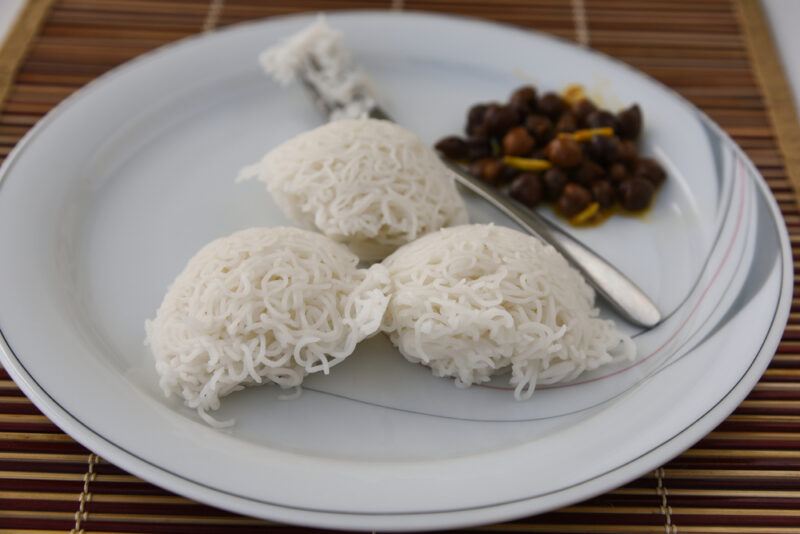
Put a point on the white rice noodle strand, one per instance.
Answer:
(477, 300)
(264, 305)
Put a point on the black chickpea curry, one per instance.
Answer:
(563, 149)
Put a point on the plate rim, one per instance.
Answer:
(446, 519)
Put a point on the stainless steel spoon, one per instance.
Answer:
(616, 288)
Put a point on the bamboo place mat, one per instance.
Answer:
(742, 478)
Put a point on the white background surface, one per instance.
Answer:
(8, 12)
(783, 16)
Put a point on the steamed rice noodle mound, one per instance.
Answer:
(367, 183)
(477, 300)
(264, 305)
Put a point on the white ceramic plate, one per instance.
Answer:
(105, 200)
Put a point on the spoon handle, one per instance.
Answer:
(630, 301)
(625, 296)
